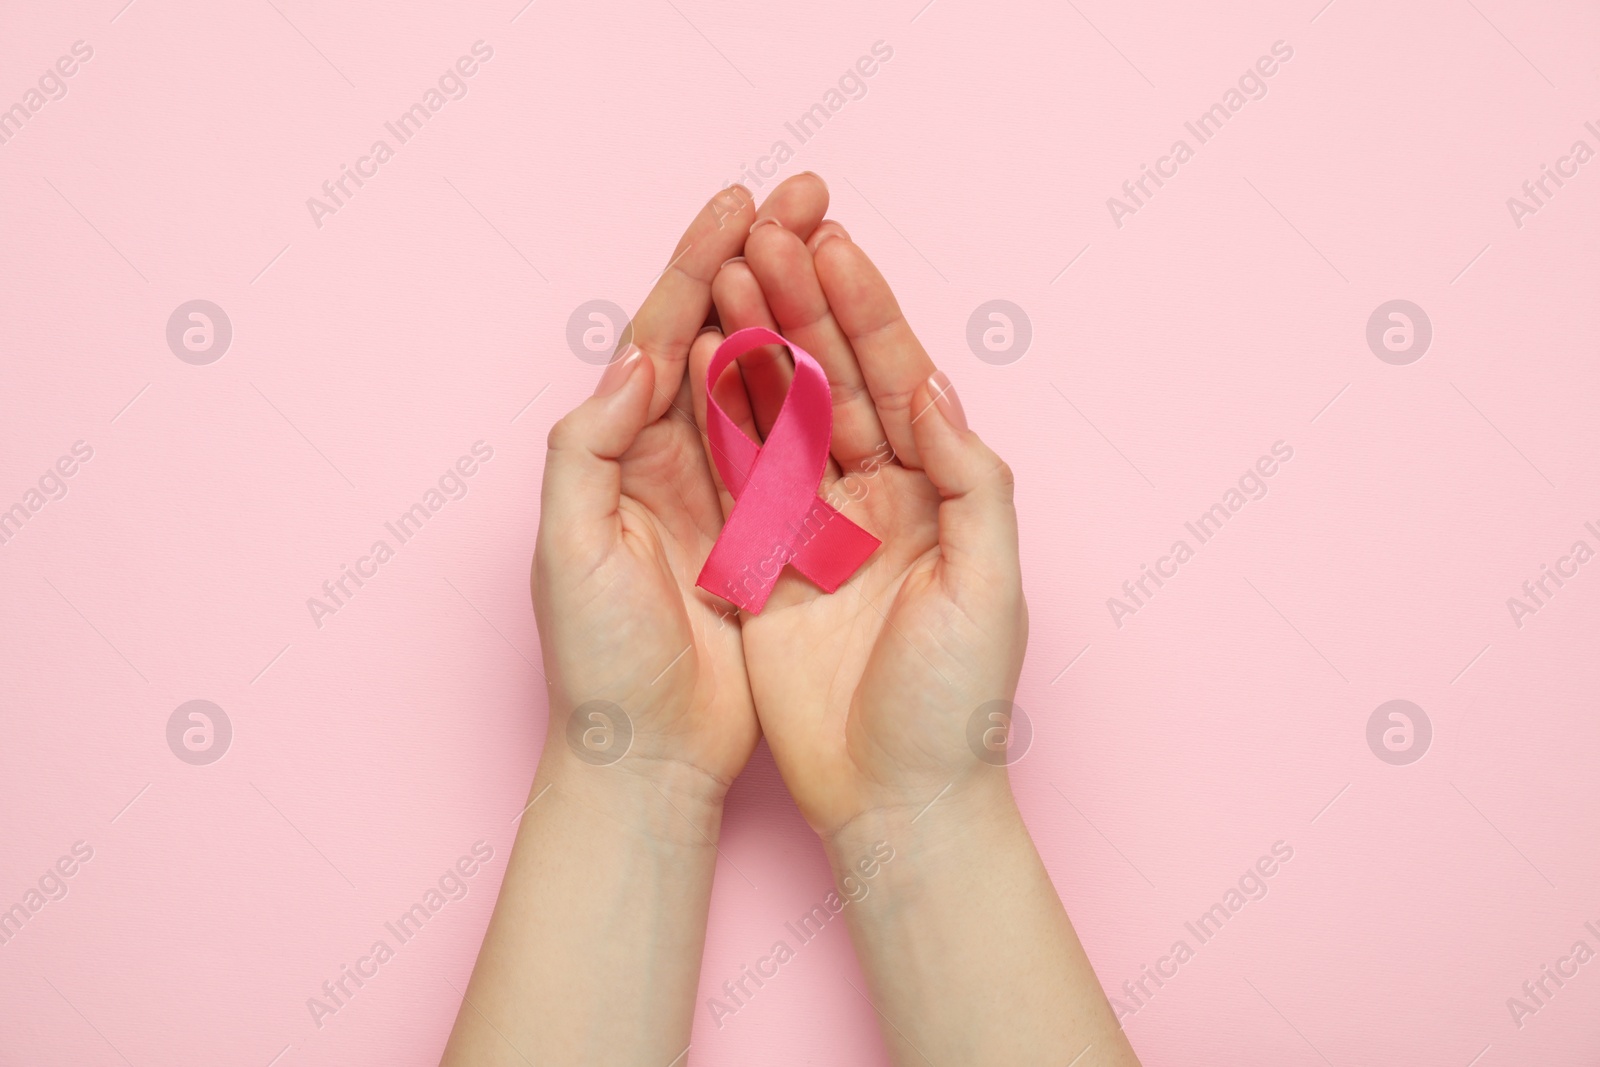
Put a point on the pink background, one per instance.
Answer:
(430, 313)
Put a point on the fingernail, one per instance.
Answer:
(944, 395)
(617, 372)
(763, 220)
(817, 176)
(732, 259)
(833, 230)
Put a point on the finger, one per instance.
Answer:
(582, 478)
(787, 276)
(730, 395)
(977, 516)
(893, 361)
(826, 229)
(671, 316)
(798, 203)
(767, 370)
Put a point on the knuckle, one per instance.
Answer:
(1004, 478)
(563, 435)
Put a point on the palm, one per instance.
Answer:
(864, 695)
(875, 709)
(636, 632)
(629, 513)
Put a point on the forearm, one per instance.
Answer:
(968, 954)
(593, 953)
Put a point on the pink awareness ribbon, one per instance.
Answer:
(777, 516)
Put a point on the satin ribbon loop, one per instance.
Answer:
(777, 517)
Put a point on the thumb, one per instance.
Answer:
(977, 519)
(582, 475)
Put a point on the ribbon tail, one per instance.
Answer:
(834, 553)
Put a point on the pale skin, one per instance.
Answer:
(863, 695)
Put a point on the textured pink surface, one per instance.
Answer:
(370, 353)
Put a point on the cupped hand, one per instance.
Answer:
(651, 667)
(866, 695)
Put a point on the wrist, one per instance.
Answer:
(665, 801)
(949, 827)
